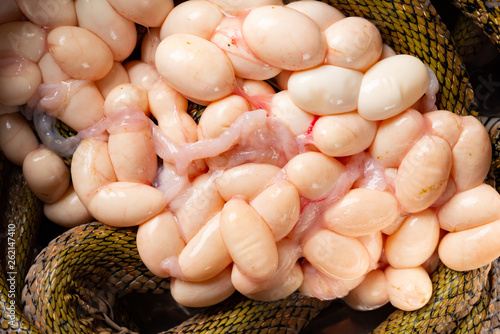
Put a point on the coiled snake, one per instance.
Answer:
(75, 281)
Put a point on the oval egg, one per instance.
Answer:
(284, 38)
(179, 56)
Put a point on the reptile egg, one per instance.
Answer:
(256, 87)
(192, 17)
(370, 294)
(445, 124)
(471, 154)
(325, 90)
(423, 174)
(17, 139)
(80, 53)
(408, 289)
(246, 64)
(116, 31)
(336, 255)
(245, 180)
(141, 73)
(282, 215)
(126, 96)
(46, 174)
(470, 208)
(205, 293)
(353, 42)
(415, 240)
(219, 115)
(116, 76)
(362, 211)
(149, 13)
(205, 255)
(249, 240)
(68, 211)
(51, 71)
(395, 136)
(322, 13)
(343, 134)
(472, 248)
(314, 174)
(157, 239)
(284, 38)
(49, 14)
(25, 38)
(391, 86)
(195, 67)
(296, 119)
(19, 79)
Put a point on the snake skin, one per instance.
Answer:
(75, 281)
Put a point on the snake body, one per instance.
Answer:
(75, 281)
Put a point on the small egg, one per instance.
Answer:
(325, 90)
(25, 38)
(68, 211)
(415, 240)
(284, 38)
(46, 174)
(471, 154)
(395, 136)
(444, 124)
(192, 17)
(371, 294)
(49, 14)
(17, 139)
(362, 211)
(284, 212)
(282, 79)
(423, 174)
(472, 248)
(149, 13)
(320, 12)
(256, 87)
(336, 255)
(245, 180)
(80, 53)
(295, 118)
(195, 67)
(470, 208)
(141, 73)
(115, 30)
(82, 93)
(123, 204)
(125, 96)
(354, 43)
(227, 36)
(343, 134)
(91, 168)
(205, 255)
(116, 76)
(239, 7)
(314, 174)
(387, 52)
(391, 86)
(219, 115)
(249, 240)
(197, 206)
(19, 79)
(374, 244)
(408, 289)
(157, 239)
(202, 294)
(51, 71)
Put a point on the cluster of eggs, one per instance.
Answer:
(341, 181)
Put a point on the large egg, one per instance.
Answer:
(325, 90)
(284, 38)
(195, 67)
(391, 86)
